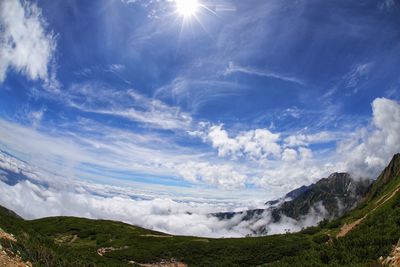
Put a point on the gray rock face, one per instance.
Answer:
(337, 194)
(388, 174)
(330, 197)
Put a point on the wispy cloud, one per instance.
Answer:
(36, 117)
(356, 75)
(98, 98)
(195, 93)
(100, 69)
(234, 68)
(96, 151)
(387, 5)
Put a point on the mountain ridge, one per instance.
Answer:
(329, 197)
(69, 241)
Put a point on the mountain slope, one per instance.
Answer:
(328, 198)
(66, 241)
(337, 194)
(372, 229)
(386, 178)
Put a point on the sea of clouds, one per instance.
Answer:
(34, 196)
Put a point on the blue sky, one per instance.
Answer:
(243, 98)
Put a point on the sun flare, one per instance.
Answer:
(187, 8)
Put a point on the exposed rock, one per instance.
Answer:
(7, 257)
(388, 174)
(330, 197)
(394, 259)
(105, 250)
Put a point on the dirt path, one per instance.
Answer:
(348, 227)
(160, 236)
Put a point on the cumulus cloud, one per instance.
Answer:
(288, 175)
(256, 144)
(222, 175)
(309, 139)
(25, 45)
(289, 155)
(371, 149)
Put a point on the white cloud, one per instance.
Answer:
(36, 117)
(289, 175)
(223, 176)
(289, 155)
(100, 70)
(257, 157)
(370, 150)
(364, 153)
(194, 93)
(255, 144)
(308, 139)
(129, 104)
(114, 151)
(161, 214)
(25, 46)
(356, 75)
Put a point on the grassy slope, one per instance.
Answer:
(362, 246)
(372, 238)
(142, 248)
(36, 242)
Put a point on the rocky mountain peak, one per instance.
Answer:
(339, 176)
(392, 171)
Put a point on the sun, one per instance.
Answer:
(187, 8)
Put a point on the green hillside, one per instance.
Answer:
(357, 239)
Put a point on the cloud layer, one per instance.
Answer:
(34, 193)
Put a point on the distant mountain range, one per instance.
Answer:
(368, 235)
(330, 198)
